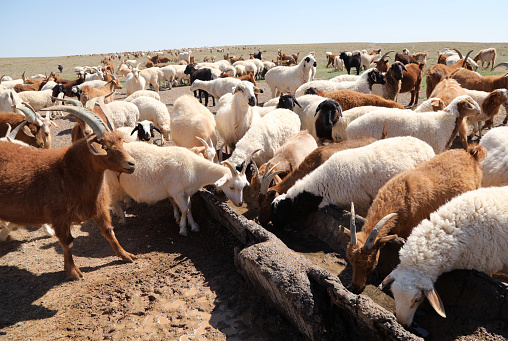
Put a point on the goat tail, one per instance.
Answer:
(384, 132)
(476, 151)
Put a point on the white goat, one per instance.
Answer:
(495, 165)
(172, 172)
(289, 78)
(217, 87)
(468, 232)
(153, 76)
(235, 113)
(123, 114)
(134, 82)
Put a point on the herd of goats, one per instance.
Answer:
(345, 142)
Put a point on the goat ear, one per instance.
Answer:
(380, 242)
(347, 233)
(435, 301)
(95, 147)
(134, 130)
(27, 131)
(221, 181)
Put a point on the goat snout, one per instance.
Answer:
(252, 101)
(129, 166)
(315, 64)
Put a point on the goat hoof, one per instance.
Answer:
(74, 274)
(128, 257)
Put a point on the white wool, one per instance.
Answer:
(495, 165)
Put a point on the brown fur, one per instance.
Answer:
(413, 195)
(412, 82)
(16, 119)
(351, 99)
(89, 92)
(331, 58)
(439, 72)
(62, 186)
(310, 163)
(470, 80)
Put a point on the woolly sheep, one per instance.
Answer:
(153, 76)
(190, 120)
(344, 78)
(353, 175)
(169, 74)
(172, 172)
(267, 134)
(495, 165)
(363, 84)
(123, 114)
(37, 99)
(289, 78)
(468, 232)
(437, 128)
(155, 111)
(235, 113)
(146, 93)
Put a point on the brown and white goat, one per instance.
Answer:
(31, 133)
(412, 82)
(70, 179)
(391, 88)
(490, 103)
(88, 92)
(407, 199)
(316, 158)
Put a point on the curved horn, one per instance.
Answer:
(74, 102)
(26, 104)
(13, 133)
(1, 78)
(231, 167)
(460, 54)
(105, 110)
(386, 282)
(203, 141)
(94, 121)
(268, 177)
(467, 56)
(369, 244)
(505, 64)
(352, 225)
(386, 54)
(30, 116)
(23, 76)
(247, 161)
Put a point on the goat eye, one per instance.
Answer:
(232, 188)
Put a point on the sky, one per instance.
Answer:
(61, 28)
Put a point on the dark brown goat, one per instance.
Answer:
(351, 99)
(412, 82)
(63, 186)
(439, 71)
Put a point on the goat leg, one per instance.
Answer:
(63, 233)
(103, 220)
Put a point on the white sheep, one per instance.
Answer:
(155, 111)
(267, 134)
(153, 76)
(12, 83)
(353, 175)
(180, 75)
(289, 78)
(495, 165)
(93, 84)
(344, 78)
(184, 56)
(235, 113)
(436, 128)
(172, 172)
(217, 87)
(146, 93)
(338, 64)
(468, 232)
(363, 84)
(191, 120)
(123, 114)
(169, 74)
(134, 82)
(37, 99)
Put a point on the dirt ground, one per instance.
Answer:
(179, 288)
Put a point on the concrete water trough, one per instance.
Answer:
(316, 300)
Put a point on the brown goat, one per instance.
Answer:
(32, 84)
(30, 134)
(412, 82)
(351, 99)
(315, 159)
(410, 196)
(63, 186)
(439, 72)
(89, 92)
(472, 81)
(331, 58)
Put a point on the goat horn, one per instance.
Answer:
(230, 166)
(23, 76)
(386, 282)
(257, 173)
(26, 104)
(12, 134)
(203, 141)
(30, 116)
(268, 177)
(105, 110)
(460, 54)
(247, 161)
(94, 121)
(2, 78)
(386, 54)
(369, 244)
(352, 225)
(467, 56)
(505, 64)
(74, 102)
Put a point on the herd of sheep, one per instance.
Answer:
(344, 142)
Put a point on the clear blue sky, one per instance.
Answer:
(60, 28)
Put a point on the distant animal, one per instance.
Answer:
(60, 68)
